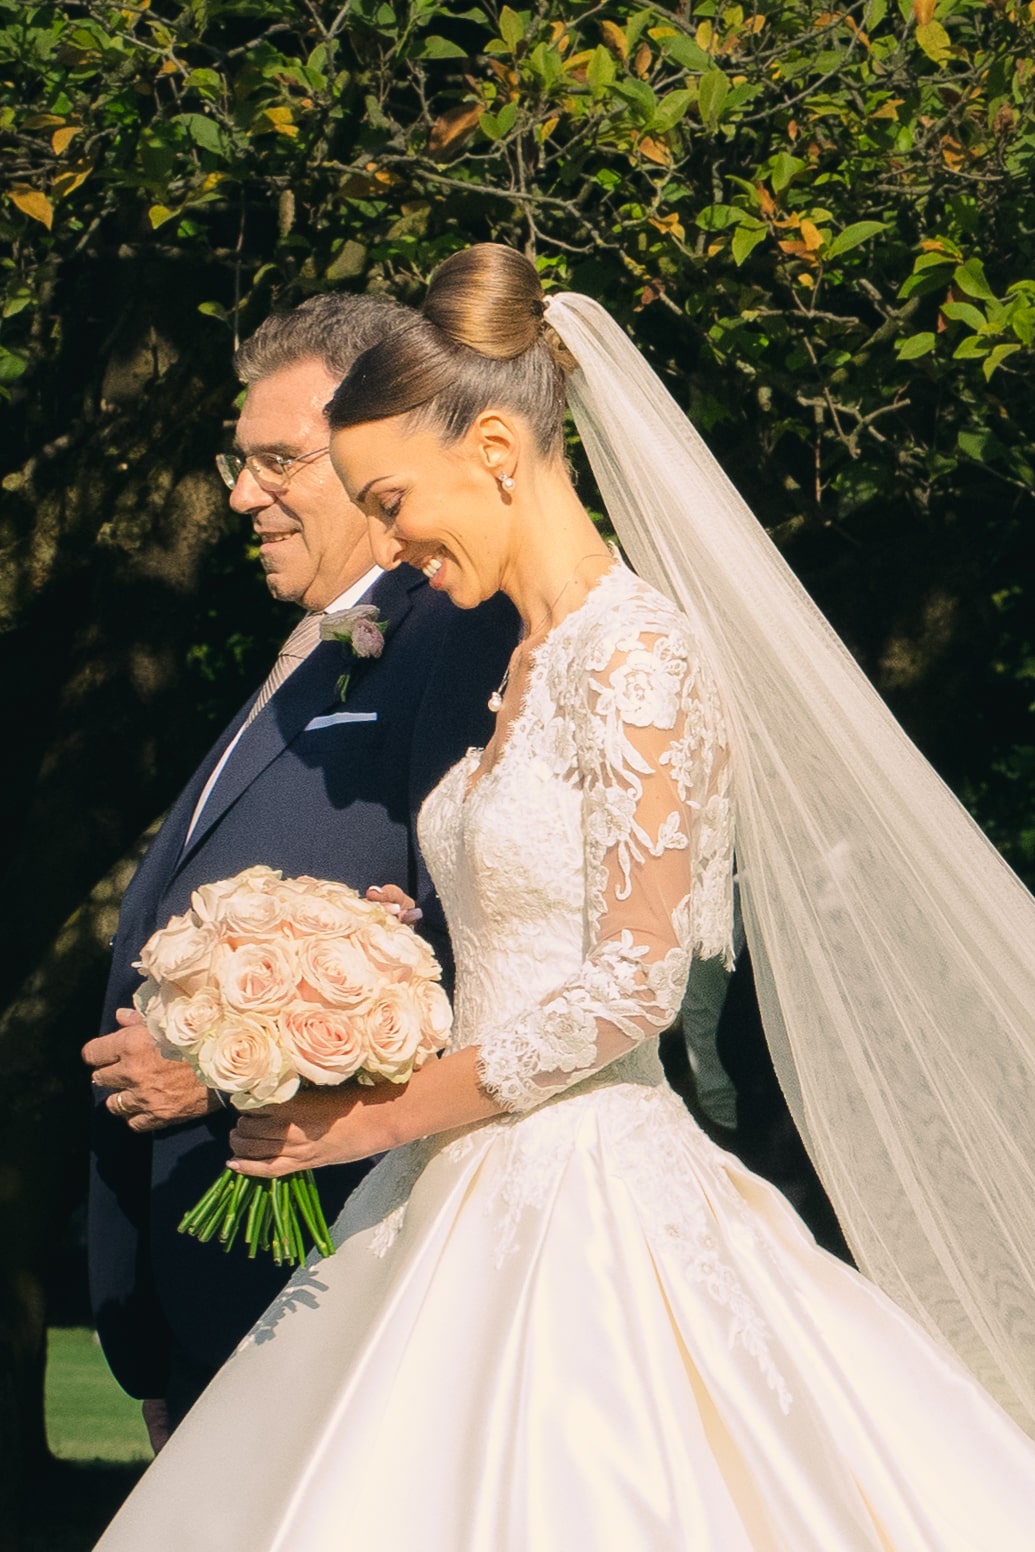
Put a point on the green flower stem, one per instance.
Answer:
(256, 1214)
(232, 1212)
(275, 1215)
(303, 1188)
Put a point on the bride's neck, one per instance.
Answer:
(558, 555)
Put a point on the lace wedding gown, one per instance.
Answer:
(582, 1325)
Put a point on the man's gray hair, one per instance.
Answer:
(334, 328)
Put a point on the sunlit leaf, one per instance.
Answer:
(852, 236)
(33, 203)
(916, 345)
(935, 41)
(712, 91)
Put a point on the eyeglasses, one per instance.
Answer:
(269, 470)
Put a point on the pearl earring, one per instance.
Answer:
(506, 482)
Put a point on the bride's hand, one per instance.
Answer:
(397, 901)
(318, 1127)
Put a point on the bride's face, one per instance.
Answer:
(433, 506)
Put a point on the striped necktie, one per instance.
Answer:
(295, 650)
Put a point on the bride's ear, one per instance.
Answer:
(496, 443)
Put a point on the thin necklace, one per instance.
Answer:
(495, 701)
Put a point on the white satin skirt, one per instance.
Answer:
(584, 1328)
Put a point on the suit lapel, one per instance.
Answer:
(304, 694)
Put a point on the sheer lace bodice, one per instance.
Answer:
(569, 952)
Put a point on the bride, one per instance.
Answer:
(558, 1316)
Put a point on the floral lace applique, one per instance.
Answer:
(622, 710)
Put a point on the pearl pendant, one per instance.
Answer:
(495, 701)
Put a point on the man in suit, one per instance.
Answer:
(298, 781)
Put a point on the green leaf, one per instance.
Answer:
(997, 358)
(712, 91)
(600, 72)
(916, 345)
(934, 41)
(970, 349)
(158, 215)
(784, 168)
(852, 236)
(982, 446)
(671, 109)
(435, 47)
(965, 312)
(513, 25)
(970, 278)
(716, 218)
(639, 97)
(17, 300)
(205, 132)
(686, 52)
(1022, 322)
(12, 365)
(746, 239)
(214, 310)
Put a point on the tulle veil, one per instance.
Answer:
(892, 945)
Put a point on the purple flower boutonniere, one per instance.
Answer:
(360, 630)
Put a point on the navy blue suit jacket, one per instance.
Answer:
(338, 801)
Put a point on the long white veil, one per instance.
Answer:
(892, 946)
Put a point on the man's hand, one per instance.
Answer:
(148, 1091)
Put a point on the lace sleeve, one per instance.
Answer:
(652, 764)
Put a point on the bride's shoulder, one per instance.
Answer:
(623, 611)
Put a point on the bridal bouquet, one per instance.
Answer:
(268, 983)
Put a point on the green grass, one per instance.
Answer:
(100, 1443)
(88, 1416)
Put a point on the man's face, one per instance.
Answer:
(313, 540)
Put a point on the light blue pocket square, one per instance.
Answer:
(338, 717)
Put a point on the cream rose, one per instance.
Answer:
(318, 915)
(190, 1020)
(251, 913)
(391, 1032)
(208, 901)
(182, 952)
(338, 973)
(257, 977)
(323, 1043)
(395, 949)
(436, 1017)
(326, 888)
(244, 1060)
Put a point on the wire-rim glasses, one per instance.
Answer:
(271, 471)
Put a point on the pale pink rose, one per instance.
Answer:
(207, 902)
(190, 1020)
(316, 915)
(250, 913)
(323, 1043)
(244, 1060)
(326, 888)
(338, 973)
(181, 952)
(367, 640)
(391, 1033)
(394, 949)
(436, 1017)
(257, 977)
